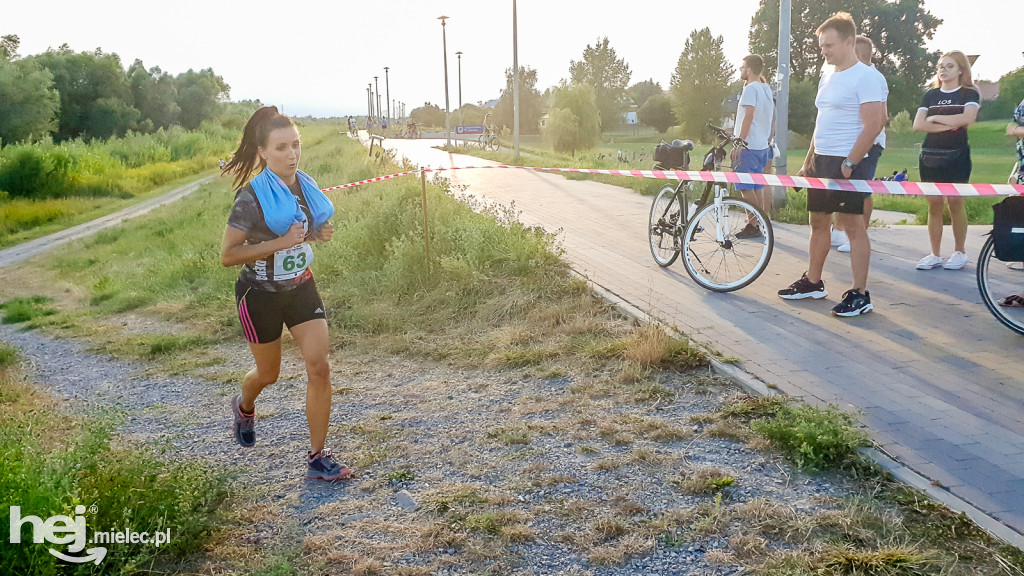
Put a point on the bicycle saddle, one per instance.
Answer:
(684, 144)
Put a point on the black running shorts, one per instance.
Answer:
(263, 313)
(829, 201)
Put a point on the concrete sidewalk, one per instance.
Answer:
(939, 380)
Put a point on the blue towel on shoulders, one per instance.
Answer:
(281, 207)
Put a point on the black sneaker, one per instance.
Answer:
(323, 467)
(804, 288)
(854, 304)
(749, 231)
(244, 427)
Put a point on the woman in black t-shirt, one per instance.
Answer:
(945, 113)
(274, 218)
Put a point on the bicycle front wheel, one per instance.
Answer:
(995, 282)
(738, 257)
(493, 144)
(665, 227)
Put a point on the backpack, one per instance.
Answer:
(1008, 229)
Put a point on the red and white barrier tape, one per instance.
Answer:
(907, 188)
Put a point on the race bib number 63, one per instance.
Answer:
(291, 263)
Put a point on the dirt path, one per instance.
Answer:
(32, 248)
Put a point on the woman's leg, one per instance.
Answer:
(958, 215)
(935, 210)
(312, 339)
(268, 367)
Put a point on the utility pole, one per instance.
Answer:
(447, 108)
(459, 54)
(515, 83)
(376, 89)
(782, 101)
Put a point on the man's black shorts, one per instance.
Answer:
(263, 313)
(829, 201)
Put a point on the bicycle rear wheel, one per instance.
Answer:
(735, 261)
(995, 282)
(665, 227)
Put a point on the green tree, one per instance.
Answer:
(469, 114)
(529, 101)
(899, 29)
(700, 83)
(154, 94)
(608, 75)
(657, 113)
(83, 80)
(199, 96)
(802, 112)
(428, 115)
(641, 91)
(9, 47)
(574, 122)
(29, 102)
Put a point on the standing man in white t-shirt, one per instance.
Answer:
(754, 115)
(865, 49)
(850, 106)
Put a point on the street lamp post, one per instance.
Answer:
(376, 89)
(369, 95)
(782, 106)
(459, 54)
(447, 108)
(387, 92)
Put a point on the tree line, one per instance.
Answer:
(65, 94)
(598, 89)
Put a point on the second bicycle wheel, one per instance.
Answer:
(664, 227)
(996, 281)
(494, 144)
(738, 257)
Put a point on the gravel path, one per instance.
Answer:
(462, 471)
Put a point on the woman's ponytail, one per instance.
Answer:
(257, 130)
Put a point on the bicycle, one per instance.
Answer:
(488, 140)
(726, 242)
(996, 279)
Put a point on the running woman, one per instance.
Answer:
(945, 113)
(276, 215)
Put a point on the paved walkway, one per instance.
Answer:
(940, 382)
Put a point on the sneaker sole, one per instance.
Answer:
(812, 295)
(863, 310)
(944, 267)
(919, 267)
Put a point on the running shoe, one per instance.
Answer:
(928, 262)
(804, 288)
(839, 238)
(956, 261)
(854, 304)
(323, 467)
(244, 427)
(749, 231)
(843, 247)
(1015, 265)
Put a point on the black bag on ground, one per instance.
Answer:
(939, 157)
(1008, 229)
(671, 157)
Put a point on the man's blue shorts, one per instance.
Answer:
(752, 162)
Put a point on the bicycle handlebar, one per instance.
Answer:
(726, 138)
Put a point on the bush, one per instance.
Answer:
(814, 438)
(901, 123)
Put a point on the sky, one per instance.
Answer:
(316, 58)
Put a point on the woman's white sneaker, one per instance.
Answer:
(956, 261)
(928, 262)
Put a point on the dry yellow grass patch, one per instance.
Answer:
(621, 550)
